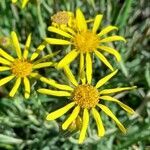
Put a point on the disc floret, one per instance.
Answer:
(21, 68)
(86, 96)
(86, 41)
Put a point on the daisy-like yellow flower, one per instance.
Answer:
(63, 19)
(84, 99)
(85, 42)
(20, 67)
(24, 2)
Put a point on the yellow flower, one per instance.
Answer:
(24, 2)
(20, 68)
(63, 19)
(85, 42)
(85, 98)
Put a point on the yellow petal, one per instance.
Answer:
(88, 68)
(58, 113)
(125, 107)
(109, 91)
(54, 92)
(100, 127)
(4, 61)
(35, 75)
(27, 87)
(42, 65)
(71, 31)
(58, 31)
(81, 22)
(111, 51)
(112, 38)
(16, 44)
(97, 23)
(27, 46)
(70, 75)
(57, 41)
(107, 29)
(81, 62)
(68, 59)
(55, 84)
(105, 79)
(5, 55)
(6, 79)
(71, 118)
(84, 125)
(110, 114)
(104, 60)
(39, 49)
(89, 20)
(24, 3)
(81, 69)
(4, 68)
(15, 87)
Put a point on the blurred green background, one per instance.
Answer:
(22, 122)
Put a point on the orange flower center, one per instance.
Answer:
(61, 17)
(86, 41)
(21, 68)
(86, 96)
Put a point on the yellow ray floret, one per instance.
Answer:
(70, 75)
(56, 114)
(105, 79)
(104, 60)
(111, 51)
(6, 79)
(81, 68)
(125, 107)
(16, 44)
(5, 55)
(4, 68)
(109, 91)
(109, 113)
(106, 30)
(27, 87)
(88, 68)
(85, 123)
(100, 127)
(80, 19)
(15, 87)
(53, 92)
(5, 61)
(59, 31)
(86, 98)
(97, 23)
(68, 58)
(71, 118)
(27, 46)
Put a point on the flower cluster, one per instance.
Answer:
(85, 97)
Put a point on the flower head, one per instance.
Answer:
(24, 2)
(21, 67)
(85, 98)
(63, 19)
(85, 42)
